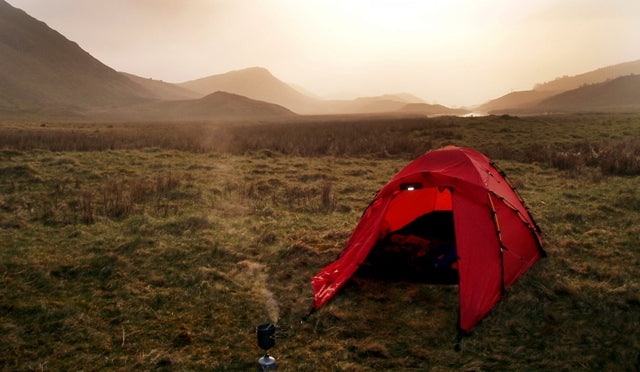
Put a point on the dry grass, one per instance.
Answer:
(153, 257)
(609, 142)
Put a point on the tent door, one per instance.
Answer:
(422, 248)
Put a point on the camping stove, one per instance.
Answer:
(266, 340)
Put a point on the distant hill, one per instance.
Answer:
(215, 106)
(621, 94)
(162, 90)
(361, 105)
(371, 105)
(304, 91)
(220, 105)
(431, 110)
(514, 100)
(596, 76)
(531, 100)
(41, 68)
(259, 84)
(43, 75)
(402, 97)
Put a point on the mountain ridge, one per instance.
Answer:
(622, 93)
(590, 77)
(41, 67)
(257, 83)
(222, 106)
(531, 100)
(44, 74)
(159, 89)
(432, 109)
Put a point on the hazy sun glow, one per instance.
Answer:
(459, 52)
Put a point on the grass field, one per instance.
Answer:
(155, 246)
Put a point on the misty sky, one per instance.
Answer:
(454, 52)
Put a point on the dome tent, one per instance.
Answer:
(494, 238)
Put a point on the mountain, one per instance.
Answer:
(217, 105)
(259, 84)
(621, 94)
(361, 105)
(514, 100)
(304, 91)
(403, 97)
(42, 68)
(596, 76)
(223, 104)
(44, 75)
(370, 105)
(431, 110)
(162, 90)
(531, 100)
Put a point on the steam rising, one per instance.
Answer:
(271, 305)
(252, 275)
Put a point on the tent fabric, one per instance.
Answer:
(496, 238)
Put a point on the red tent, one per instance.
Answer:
(495, 237)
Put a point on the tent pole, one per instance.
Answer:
(502, 248)
(515, 191)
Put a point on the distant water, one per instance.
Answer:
(474, 114)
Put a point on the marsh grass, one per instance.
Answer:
(146, 255)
